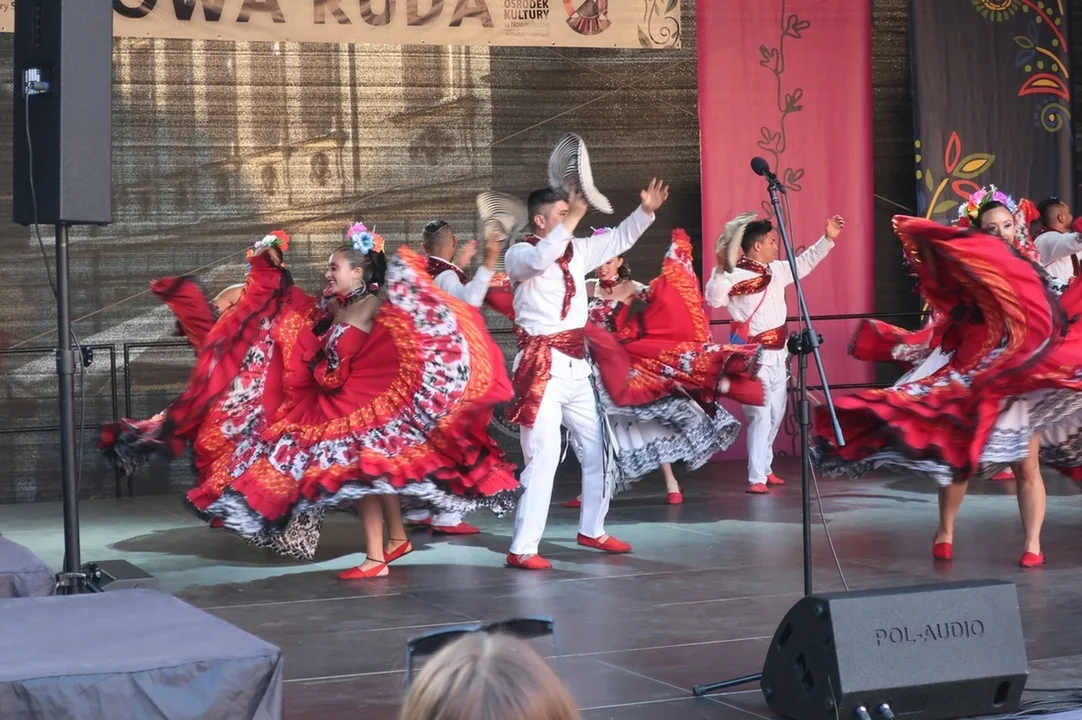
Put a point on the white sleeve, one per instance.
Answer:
(472, 292)
(599, 249)
(1053, 246)
(717, 289)
(805, 262)
(524, 261)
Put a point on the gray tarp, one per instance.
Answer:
(135, 654)
(22, 573)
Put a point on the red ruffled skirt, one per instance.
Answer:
(667, 347)
(1004, 365)
(403, 410)
(229, 380)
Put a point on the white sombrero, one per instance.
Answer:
(501, 211)
(569, 168)
(732, 238)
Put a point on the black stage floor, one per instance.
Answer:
(696, 602)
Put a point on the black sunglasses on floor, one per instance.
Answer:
(525, 628)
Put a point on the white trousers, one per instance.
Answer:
(443, 519)
(764, 422)
(572, 404)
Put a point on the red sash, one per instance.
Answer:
(535, 368)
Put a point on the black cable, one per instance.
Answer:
(56, 297)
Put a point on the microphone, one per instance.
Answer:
(762, 168)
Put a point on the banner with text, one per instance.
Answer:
(772, 85)
(991, 100)
(650, 24)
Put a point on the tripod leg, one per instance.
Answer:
(804, 420)
(700, 690)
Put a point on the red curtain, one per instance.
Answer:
(790, 81)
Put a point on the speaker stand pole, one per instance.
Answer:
(802, 344)
(71, 581)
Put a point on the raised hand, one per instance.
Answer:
(654, 196)
(494, 240)
(834, 228)
(576, 207)
(465, 253)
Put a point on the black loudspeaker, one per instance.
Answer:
(64, 84)
(118, 575)
(928, 652)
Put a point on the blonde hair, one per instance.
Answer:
(484, 676)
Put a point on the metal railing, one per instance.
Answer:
(88, 427)
(127, 350)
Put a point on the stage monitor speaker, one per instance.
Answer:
(118, 575)
(928, 652)
(64, 83)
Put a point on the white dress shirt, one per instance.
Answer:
(538, 282)
(472, 292)
(1056, 249)
(773, 311)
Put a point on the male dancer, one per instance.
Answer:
(1056, 241)
(440, 244)
(754, 292)
(552, 376)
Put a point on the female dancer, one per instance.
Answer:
(996, 382)
(671, 427)
(392, 400)
(128, 443)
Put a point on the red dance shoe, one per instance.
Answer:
(1004, 475)
(676, 498)
(528, 562)
(1031, 560)
(404, 549)
(356, 573)
(216, 523)
(611, 544)
(460, 529)
(943, 551)
(773, 479)
(758, 489)
(573, 503)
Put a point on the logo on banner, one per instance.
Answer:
(526, 18)
(591, 17)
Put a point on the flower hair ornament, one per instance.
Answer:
(1024, 212)
(276, 239)
(364, 240)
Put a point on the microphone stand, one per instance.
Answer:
(801, 344)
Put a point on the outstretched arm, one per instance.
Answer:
(599, 249)
(814, 255)
(472, 292)
(1053, 246)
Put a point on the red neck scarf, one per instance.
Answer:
(610, 283)
(754, 285)
(437, 266)
(564, 262)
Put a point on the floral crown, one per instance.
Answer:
(971, 210)
(362, 239)
(276, 239)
